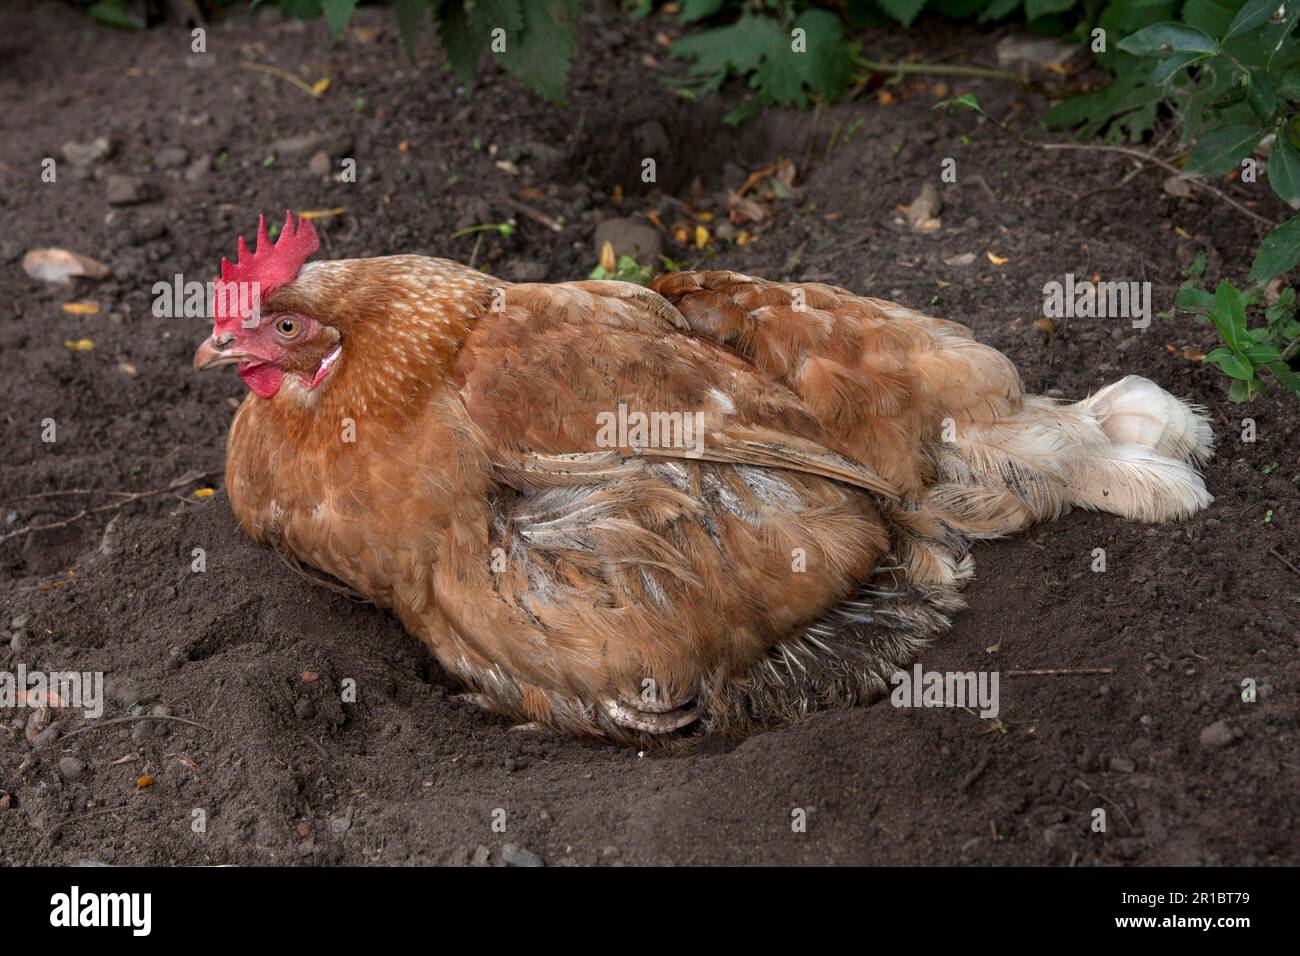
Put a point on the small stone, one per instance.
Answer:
(84, 154)
(629, 237)
(481, 855)
(128, 191)
(965, 259)
(1056, 835)
(518, 856)
(925, 208)
(70, 768)
(340, 824)
(1121, 765)
(305, 709)
(1218, 734)
(320, 163)
(198, 169)
(18, 642)
(142, 731)
(18, 622)
(171, 157)
(47, 737)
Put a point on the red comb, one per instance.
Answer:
(271, 266)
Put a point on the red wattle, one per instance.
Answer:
(264, 380)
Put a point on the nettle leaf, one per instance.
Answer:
(488, 15)
(1278, 253)
(1229, 316)
(1254, 14)
(1284, 170)
(1163, 39)
(827, 66)
(337, 14)
(1126, 105)
(541, 56)
(461, 45)
(410, 20)
(904, 11)
(738, 48)
(1222, 149)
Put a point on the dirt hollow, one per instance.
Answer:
(283, 772)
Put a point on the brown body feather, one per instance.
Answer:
(811, 544)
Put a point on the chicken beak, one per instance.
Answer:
(214, 353)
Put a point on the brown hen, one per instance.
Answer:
(715, 504)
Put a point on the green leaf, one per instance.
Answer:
(1282, 372)
(735, 49)
(1232, 365)
(1222, 149)
(1167, 69)
(967, 100)
(1262, 354)
(1229, 316)
(1284, 170)
(827, 66)
(904, 11)
(1162, 39)
(696, 10)
(541, 56)
(1041, 8)
(460, 44)
(1262, 96)
(999, 9)
(1240, 391)
(337, 14)
(113, 12)
(488, 15)
(1278, 253)
(1255, 13)
(410, 20)
(1192, 299)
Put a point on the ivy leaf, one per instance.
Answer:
(1278, 253)
(1255, 13)
(1284, 170)
(337, 14)
(1162, 39)
(1222, 149)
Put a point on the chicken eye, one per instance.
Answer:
(287, 327)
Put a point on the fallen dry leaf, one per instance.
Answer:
(321, 85)
(308, 676)
(85, 307)
(203, 492)
(60, 265)
(145, 781)
(1182, 233)
(79, 345)
(322, 213)
(701, 237)
(997, 260)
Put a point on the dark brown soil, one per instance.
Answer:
(287, 774)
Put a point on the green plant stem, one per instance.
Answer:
(938, 69)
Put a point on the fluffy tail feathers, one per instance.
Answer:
(1132, 449)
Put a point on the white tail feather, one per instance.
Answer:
(1137, 411)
